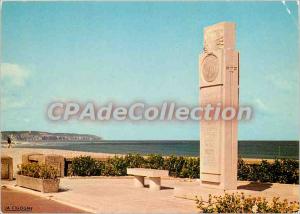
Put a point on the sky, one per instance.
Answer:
(124, 52)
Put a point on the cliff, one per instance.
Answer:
(37, 136)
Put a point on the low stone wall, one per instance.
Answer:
(42, 185)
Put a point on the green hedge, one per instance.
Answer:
(281, 171)
(36, 170)
(183, 167)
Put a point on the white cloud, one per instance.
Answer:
(8, 102)
(261, 105)
(57, 98)
(280, 81)
(14, 74)
(26, 120)
(13, 82)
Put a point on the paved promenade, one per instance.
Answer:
(14, 201)
(118, 194)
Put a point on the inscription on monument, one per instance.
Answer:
(210, 162)
(212, 129)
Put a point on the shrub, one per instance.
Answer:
(174, 164)
(191, 168)
(239, 203)
(280, 171)
(243, 170)
(115, 166)
(38, 171)
(84, 166)
(286, 171)
(264, 171)
(154, 162)
(134, 161)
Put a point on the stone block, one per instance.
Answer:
(6, 167)
(42, 185)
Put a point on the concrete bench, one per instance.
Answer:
(153, 174)
(56, 161)
(6, 167)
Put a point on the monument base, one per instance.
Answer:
(219, 185)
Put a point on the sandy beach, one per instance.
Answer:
(16, 152)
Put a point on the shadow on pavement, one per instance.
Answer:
(255, 186)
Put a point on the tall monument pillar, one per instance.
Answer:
(219, 86)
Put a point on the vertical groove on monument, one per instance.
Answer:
(219, 85)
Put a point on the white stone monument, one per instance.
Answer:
(219, 85)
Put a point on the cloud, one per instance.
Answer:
(13, 74)
(261, 105)
(26, 120)
(8, 102)
(58, 98)
(13, 82)
(280, 81)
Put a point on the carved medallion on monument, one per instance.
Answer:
(210, 68)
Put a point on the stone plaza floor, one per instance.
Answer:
(118, 194)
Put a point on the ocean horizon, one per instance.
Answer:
(246, 149)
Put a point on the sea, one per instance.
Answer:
(246, 149)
